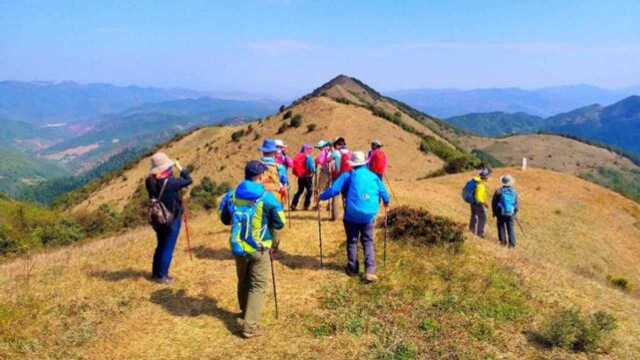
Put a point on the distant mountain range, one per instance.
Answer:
(66, 102)
(540, 102)
(71, 128)
(152, 123)
(616, 125)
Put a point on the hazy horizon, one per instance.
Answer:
(287, 47)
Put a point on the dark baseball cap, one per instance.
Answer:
(253, 169)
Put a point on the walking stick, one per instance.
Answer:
(384, 254)
(389, 185)
(520, 226)
(185, 216)
(273, 277)
(288, 206)
(320, 234)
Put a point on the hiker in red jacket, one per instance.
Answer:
(377, 159)
(303, 169)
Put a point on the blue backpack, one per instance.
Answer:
(242, 232)
(469, 192)
(507, 203)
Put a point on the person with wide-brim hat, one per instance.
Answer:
(163, 186)
(281, 155)
(505, 207)
(364, 191)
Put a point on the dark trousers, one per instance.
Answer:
(364, 232)
(167, 238)
(478, 219)
(505, 228)
(304, 183)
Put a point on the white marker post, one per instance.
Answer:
(524, 164)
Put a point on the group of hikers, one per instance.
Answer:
(504, 206)
(255, 210)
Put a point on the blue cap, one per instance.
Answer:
(253, 169)
(268, 146)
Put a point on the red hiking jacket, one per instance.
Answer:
(378, 162)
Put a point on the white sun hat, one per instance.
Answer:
(358, 159)
(280, 143)
(160, 162)
(507, 180)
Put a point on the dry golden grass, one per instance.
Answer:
(95, 301)
(100, 305)
(213, 153)
(548, 152)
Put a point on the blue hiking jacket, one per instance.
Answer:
(272, 212)
(311, 165)
(363, 190)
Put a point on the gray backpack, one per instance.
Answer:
(159, 216)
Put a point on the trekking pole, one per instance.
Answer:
(389, 185)
(384, 253)
(320, 234)
(520, 226)
(273, 277)
(288, 206)
(185, 216)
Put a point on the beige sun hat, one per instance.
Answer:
(160, 162)
(358, 159)
(507, 180)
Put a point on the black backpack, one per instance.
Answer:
(159, 216)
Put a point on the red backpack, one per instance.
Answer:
(344, 163)
(300, 165)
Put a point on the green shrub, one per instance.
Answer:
(237, 135)
(205, 194)
(619, 282)
(102, 221)
(311, 127)
(419, 225)
(286, 115)
(487, 159)
(135, 210)
(571, 330)
(296, 121)
(283, 128)
(63, 232)
(344, 101)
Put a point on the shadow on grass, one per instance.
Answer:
(305, 262)
(204, 252)
(120, 275)
(536, 339)
(178, 303)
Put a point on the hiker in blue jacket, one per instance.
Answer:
(252, 251)
(504, 205)
(363, 191)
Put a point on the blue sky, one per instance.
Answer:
(283, 47)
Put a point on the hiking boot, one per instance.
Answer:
(249, 332)
(167, 280)
(371, 278)
(349, 272)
